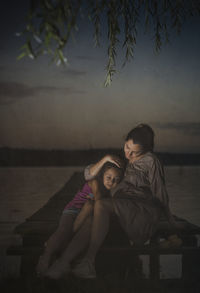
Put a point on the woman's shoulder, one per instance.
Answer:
(155, 163)
(150, 156)
(149, 159)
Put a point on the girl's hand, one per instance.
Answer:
(115, 160)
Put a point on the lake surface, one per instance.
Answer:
(24, 190)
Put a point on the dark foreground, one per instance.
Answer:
(103, 284)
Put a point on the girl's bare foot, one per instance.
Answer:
(85, 269)
(58, 270)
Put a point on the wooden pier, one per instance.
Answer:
(36, 230)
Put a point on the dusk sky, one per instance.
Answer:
(43, 106)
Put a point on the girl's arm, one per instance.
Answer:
(95, 189)
(87, 209)
(92, 170)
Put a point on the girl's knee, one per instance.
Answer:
(66, 222)
(89, 204)
(103, 204)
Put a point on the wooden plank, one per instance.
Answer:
(46, 224)
(36, 229)
(52, 210)
(131, 250)
(50, 213)
(183, 226)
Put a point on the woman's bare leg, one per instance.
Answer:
(58, 240)
(86, 211)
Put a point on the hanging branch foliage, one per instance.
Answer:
(51, 23)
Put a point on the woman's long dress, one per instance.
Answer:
(140, 198)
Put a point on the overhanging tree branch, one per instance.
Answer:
(51, 24)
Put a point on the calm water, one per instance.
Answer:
(24, 190)
(183, 185)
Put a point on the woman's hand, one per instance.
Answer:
(115, 160)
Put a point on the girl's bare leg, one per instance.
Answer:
(92, 232)
(77, 245)
(86, 211)
(58, 240)
(103, 209)
(101, 221)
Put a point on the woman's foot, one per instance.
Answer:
(42, 265)
(58, 270)
(85, 269)
(173, 241)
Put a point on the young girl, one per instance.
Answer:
(77, 210)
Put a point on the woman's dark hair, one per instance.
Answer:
(143, 135)
(100, 175)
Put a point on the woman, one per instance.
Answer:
(138, 201)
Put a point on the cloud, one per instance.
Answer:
(74, 72)
(83, 57)
(11, 92)
(15, 90)
(189, 128)
(2, 67)
(65, 90)
(88, 58)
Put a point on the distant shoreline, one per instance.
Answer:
(26, 157)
